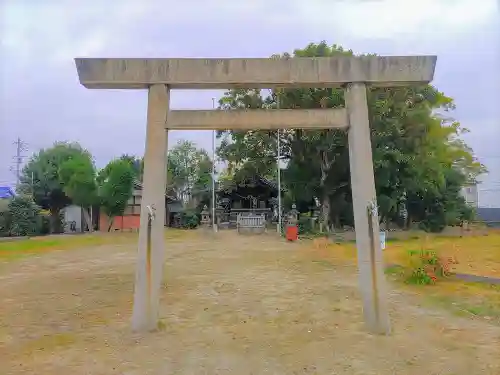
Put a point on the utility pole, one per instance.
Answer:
(278, 158)
(214, 224)
(18, 159)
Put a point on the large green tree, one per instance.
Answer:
(311, 154)
(189, 172)
(41, 178)
(202, 186)
(136, 163)
(116, 182)
(78, 178)
(414, 148)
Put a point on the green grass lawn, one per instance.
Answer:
(17, 249)
(12, 250)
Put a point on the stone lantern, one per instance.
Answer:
(205, 217)
(293, 214)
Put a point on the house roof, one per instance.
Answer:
(6, 192)
(256, 179)
(270, 183)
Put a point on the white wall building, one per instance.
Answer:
(73, 219)
(470, 194)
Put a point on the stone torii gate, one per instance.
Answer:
(159, 76)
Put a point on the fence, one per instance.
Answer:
(251, 223)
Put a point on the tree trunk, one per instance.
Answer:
(325, 211)
(408, 219)
(325, 199)
(167, 215)
(110, 224)
(55, 223)
(408, 222)
(87, 219)
(92, 217)
(337, 220)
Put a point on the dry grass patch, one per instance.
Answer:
(476, 300)
(475, 255)
(230, 305)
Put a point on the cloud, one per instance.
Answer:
(56, 31)
(386, 19)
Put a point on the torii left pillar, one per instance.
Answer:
(149, 268)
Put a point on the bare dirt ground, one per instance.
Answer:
(231, 305)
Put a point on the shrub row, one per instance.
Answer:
(23, 218)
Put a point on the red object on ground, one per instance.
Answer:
(292, 233)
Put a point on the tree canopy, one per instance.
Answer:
(419, 157)
(189, 170)
(78, 178)
(65, 174)
(116, 182)
(41, 177)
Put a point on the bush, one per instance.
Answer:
(4, 224)
(432, 224)
(189, 219)
(4, 217)
(24, 217)
(305, 225)
(426, 267)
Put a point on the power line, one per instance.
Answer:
(18, 158)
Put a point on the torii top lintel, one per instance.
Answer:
(205, 73)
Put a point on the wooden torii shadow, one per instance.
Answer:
(159, 76)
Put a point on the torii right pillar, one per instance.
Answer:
(370, 263)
